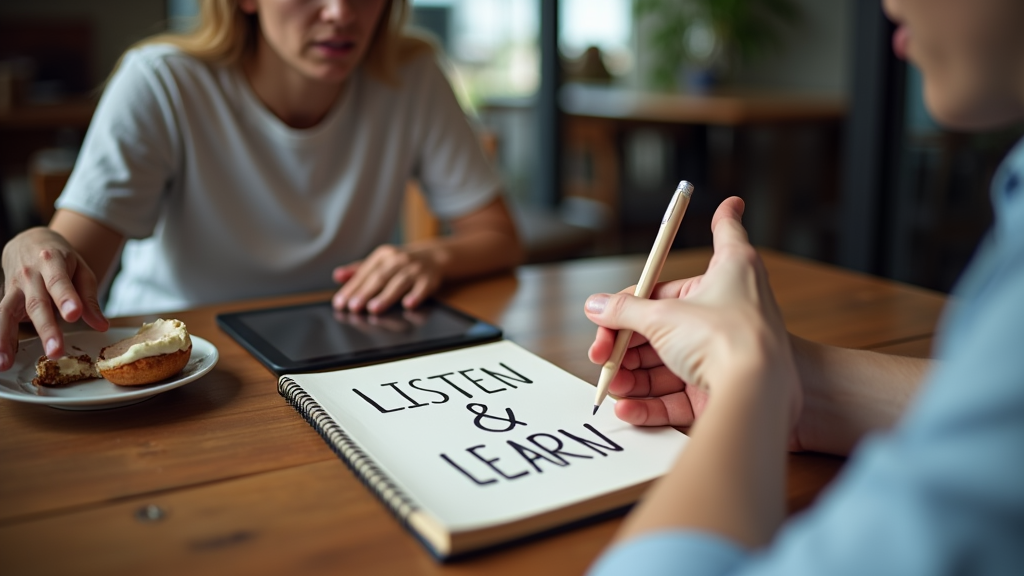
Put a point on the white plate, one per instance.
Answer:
(96, 393)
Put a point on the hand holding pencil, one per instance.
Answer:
(714, 334)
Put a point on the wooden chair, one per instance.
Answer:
(418, 222)
(546, 235)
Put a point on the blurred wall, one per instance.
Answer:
(814, 57)
(116, 23)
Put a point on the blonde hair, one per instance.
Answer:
(225, 34)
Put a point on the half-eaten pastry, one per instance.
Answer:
(63, 371)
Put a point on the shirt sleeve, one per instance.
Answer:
(453, 170)
(129, 156)
(670, 554)
(943, 493)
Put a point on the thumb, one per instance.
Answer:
(618, 311)
(731, 208)
(726, 225)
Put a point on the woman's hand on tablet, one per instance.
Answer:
(388, 275)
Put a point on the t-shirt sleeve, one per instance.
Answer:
(456, 176)
(130, 153)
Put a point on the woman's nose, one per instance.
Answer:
(337, 11)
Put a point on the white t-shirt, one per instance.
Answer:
(221, 200)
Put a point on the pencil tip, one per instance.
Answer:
(596, 406)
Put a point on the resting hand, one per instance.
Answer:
(42, 270)
(387, 275)
(698, 338)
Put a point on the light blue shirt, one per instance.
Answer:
(942, 493)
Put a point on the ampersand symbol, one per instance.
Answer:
(481, 412)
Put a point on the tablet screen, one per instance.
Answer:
(315, 336)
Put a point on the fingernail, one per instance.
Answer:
(51, 346)
(3, 361)
(355, 304)
(339, 302)
(596, 303)
(67, 307)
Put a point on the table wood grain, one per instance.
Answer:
(245, 485)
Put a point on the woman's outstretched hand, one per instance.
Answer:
(43, 272)
(697, 338)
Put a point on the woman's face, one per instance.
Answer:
(971, 54)
(323, 40)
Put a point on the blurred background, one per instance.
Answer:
(593, 110)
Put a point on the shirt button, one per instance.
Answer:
(1012, 185)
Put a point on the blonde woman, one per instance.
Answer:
(264, 153)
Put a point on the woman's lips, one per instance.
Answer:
(900, 38)
(335, 47)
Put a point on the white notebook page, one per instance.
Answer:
(489, 434)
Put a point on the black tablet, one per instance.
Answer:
(311, 337)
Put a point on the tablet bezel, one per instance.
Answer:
(233, 323)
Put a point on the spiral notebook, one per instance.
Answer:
(481, 446)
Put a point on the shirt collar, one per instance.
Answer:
(1008, 192)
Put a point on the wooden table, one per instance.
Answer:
(244, 485)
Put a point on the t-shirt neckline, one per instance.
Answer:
(269, 121)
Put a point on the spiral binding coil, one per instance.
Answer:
(357, 461)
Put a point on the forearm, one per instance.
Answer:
(472, 254)
(849, 393)
(483, 242)
(730, 478)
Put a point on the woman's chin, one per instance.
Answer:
(332, 75)
(970, 112)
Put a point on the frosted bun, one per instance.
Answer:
(157, 351)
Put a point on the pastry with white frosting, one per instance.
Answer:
(159, 350)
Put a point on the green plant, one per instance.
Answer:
(711, 33)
